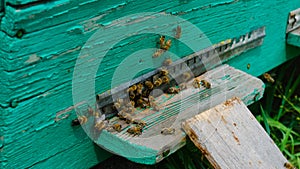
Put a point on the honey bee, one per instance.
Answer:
(167, 131)
(186, 76)
(248, 66)
(196, 83)
(178, 32)
(131, 95)
(151, 99)
(75, 122)
(173, 90)
(101, 125)
(141, 103)
(117, 105)
(205, 84)
(157, 53)
(132, 103)
(268, 77)
(132, 88)
(167, 45)
(289, 165)
(182, 86)
(117, 127)
(162, 41)
(165, 79)
(149, 85)
(167, 62)
(155, 106)
(128, 118)
(157, 82)
(139, 86)
(135, 130)
(82, 119)
(163, 72)
(140, 122)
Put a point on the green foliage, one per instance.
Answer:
(278, 111)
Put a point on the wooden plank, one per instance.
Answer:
(293, 38)
(150, 147)
(230, 137)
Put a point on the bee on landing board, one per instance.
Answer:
(182, 86)
(139, 122)
(205, 84)
(117, 127)
(173, 90)
(161, 41)
(135, 130)
(167, 62)
(196, 83)
(167, 131)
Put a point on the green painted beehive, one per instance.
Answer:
(42, 40)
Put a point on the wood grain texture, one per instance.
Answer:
(36, 69)
(149, 147)
(293, 38)
(230, 137)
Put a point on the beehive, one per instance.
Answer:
(41, 41)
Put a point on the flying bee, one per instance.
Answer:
(268, 77)
(157, 82)
(167, 62)
(196, 83)
(128, 118)
(82, 119)
(117, 127)
(122, 114)
(165, 79)
(248, 66)
(135, 130)
(149, 85)
(289, 165)
(167, 45)
(130, 110)
(178, 32)
(205, 84)
(186, 76)
(182, 86)
(90, 111)
(163, 72)
(167, 131)
(140, 122)
(157, 53)
(173, 90)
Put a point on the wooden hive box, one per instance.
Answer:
(41, 41)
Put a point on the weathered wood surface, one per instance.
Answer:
(149, 147)
(230, 137)
(36, 69)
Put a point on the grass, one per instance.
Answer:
(278, 112)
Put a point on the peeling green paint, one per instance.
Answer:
(36, 68)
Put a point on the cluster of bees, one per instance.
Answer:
(164, 44)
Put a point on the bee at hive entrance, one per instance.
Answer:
(133, 110)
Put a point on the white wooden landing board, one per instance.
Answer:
(152, 146)
(230, 137)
